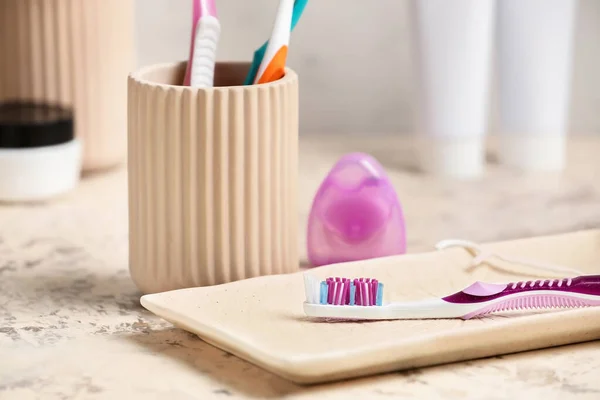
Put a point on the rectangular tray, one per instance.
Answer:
(261, 319)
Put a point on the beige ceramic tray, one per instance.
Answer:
(261, 319)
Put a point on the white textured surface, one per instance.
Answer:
(354, 61)
(71, 325)
(261, 320)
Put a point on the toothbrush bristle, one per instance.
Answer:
(312, 288)
(205, 52)
(343, 291)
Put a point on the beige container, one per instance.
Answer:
(212, 178)
(76, 53)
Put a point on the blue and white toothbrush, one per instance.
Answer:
(269, 59)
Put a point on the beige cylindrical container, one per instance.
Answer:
(212, 178)
(76, 54)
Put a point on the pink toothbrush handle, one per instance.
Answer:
(582, 291)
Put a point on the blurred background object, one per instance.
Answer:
(354, 61)
(452, 48)
(535, 57)
(77, 54)
(40, 157)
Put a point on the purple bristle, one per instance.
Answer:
(365, 291)
(346, 294)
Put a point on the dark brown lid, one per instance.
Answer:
(27, 125)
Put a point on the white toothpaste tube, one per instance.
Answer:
(535, 44)
(452, 42)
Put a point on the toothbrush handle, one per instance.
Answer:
(259, 54)
(478, 299)
(484, 298)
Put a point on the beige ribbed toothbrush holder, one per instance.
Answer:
(212, 178)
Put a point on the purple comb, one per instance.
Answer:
(355, 215)
(362, 298)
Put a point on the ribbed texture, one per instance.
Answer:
(212, 179)
(76, 53)
(537, 302)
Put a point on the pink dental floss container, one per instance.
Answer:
(355, 215)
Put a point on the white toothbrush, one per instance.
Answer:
(274, 60)
(362, 298)
(203, 49)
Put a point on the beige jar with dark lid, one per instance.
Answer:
(77, 54)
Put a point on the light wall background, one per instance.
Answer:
(353, 59)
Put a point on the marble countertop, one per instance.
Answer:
(71, 326)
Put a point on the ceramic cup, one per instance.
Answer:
(75, 54)
(212, 178)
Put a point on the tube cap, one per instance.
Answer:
(532, 152)
(459, 158)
